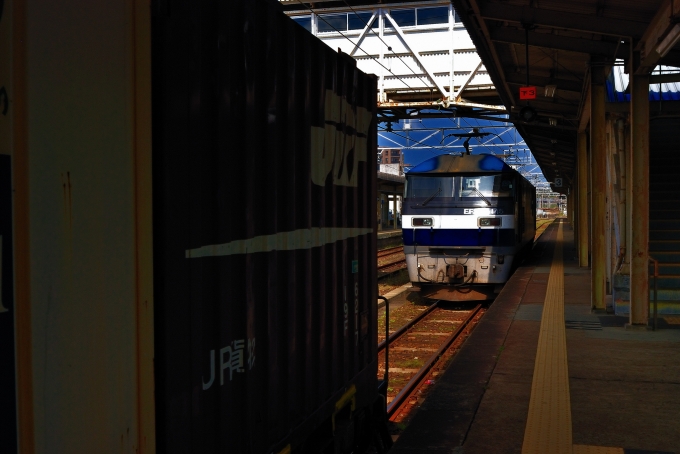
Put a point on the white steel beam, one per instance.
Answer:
(456, 95)
(363, 34)
(451, 49)
(416, 55)
(381, 33)
(421, 104)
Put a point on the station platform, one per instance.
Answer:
(542, 373)
(389, 238)
(389, 233)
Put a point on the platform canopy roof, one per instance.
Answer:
(565, 39)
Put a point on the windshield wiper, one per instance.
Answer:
(481, 195)
(429, 199)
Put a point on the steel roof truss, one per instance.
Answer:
(456, 96)
(560, 42)
(589, 23)
(660, 27)
(416, 55)
(363, 34)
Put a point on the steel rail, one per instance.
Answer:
(398, 333)
(387, 265)
(390, 251)
(422, 373)
(382, 388)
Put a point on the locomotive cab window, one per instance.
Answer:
(486, 185)
(426, 187)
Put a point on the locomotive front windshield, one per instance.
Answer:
(487, 185)
(427, 186)
(459, 187)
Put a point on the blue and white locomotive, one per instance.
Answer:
(465, 221)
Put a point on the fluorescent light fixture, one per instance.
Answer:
(550, 91)
(669, 40)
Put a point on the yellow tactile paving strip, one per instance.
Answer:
(548, 428)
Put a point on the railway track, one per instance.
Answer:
(391, 260)
(392, 266)
(541, 226)
(419, 350)
(390, 251)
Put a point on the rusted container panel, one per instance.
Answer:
(264, 233)
(74, 350)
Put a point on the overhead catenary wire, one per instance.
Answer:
(430, 146)
(416, 141)
(370, 30)
(484, 144)
(357, 46)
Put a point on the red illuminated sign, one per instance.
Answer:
(527, 93)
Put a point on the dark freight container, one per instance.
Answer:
(264, 145)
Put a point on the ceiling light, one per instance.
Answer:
(550, 91)
(669, 40)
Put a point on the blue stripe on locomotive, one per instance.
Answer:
(459, 237)
(461, 164)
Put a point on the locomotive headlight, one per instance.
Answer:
(424, 222)
(488, 222)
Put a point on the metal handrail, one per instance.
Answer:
(656, 278)
(382, 388)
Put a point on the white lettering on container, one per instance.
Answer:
(345, 129)
(231, 358)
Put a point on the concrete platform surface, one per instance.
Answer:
(624, 384)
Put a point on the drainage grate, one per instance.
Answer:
(580, 324)
(613, 321)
